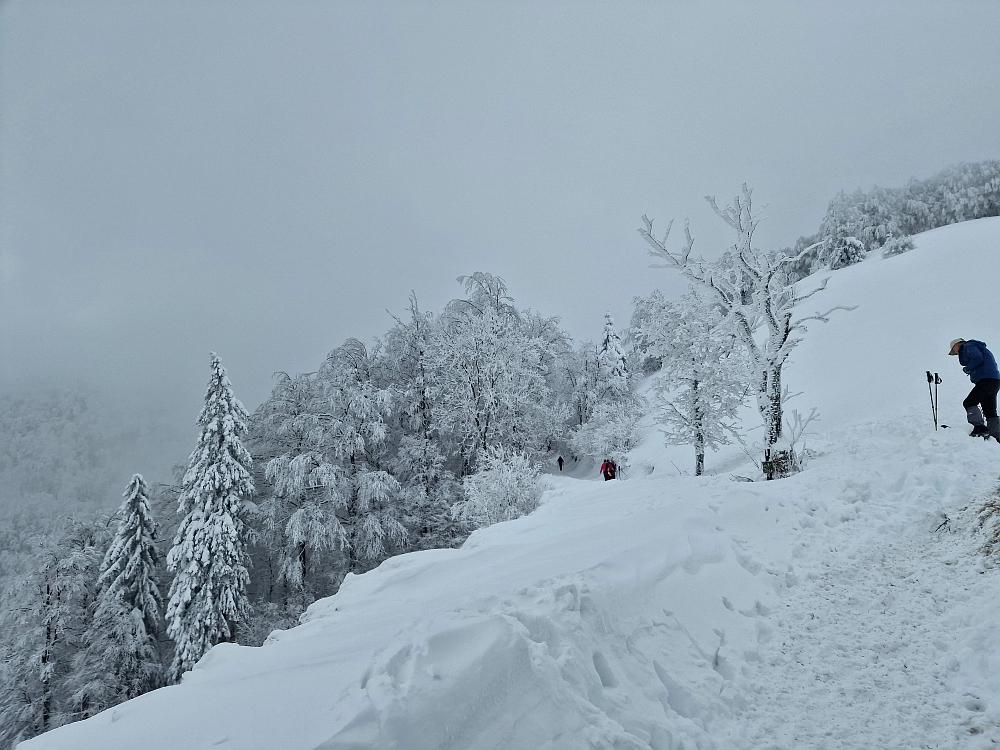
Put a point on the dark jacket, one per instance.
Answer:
(978, 361)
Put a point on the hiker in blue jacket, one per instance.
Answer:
(981, 366)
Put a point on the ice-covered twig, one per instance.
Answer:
(824, 317)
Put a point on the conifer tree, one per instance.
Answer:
(209, 555)
(121, 660)
(129, 568)
(613, 377)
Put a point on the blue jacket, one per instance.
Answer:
(978, 361)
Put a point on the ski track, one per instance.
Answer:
(864, 651)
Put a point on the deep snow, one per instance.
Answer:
(845, 607)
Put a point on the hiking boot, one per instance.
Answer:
(980, 430)
(975, 416)
(993, 425)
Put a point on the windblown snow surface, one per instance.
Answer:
(848, 606)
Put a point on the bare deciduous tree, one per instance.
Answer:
(753, 289)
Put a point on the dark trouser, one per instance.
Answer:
(984, 393)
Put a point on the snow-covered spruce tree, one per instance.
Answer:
(613, 374)
(42, 624)
(703, 379)
(121, 659)
(128, 572)
(209, 554)
(505, 487)
(753, 291)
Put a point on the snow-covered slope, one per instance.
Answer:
(845, 607)
(870, 363)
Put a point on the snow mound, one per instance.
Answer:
(844, 607)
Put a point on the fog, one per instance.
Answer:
(265, 180)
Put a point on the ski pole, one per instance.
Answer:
(930, 394)
(937, 382)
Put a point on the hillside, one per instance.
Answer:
(845, 607)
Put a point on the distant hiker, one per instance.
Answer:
(608, 469)
(981, 366)
(560, 463)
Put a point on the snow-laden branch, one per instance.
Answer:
(822, 317)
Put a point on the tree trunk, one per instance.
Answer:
(774, 406)
(772, 415)
(699, 431)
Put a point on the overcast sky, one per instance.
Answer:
(266, 179)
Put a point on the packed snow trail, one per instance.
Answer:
(870, 664)
(866, 651)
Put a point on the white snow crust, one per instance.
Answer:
(845, 607)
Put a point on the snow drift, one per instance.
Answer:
(845, 607)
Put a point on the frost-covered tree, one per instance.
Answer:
(353, 407)
(42, 625)
(860, 222)
(612, 360)
(702, 382)
(428, 490)
(505, 487)
(407, 357)
(896, 246)
(300, 530)
(583, 376)
(556, 349)
(491, 373)
(209, 553)
(301, 513)
(841, 230)
(378, 526)
(611, 432)
(331, 507)
(428, 486)
(121, 659)
(354, 432)
(754, 292)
